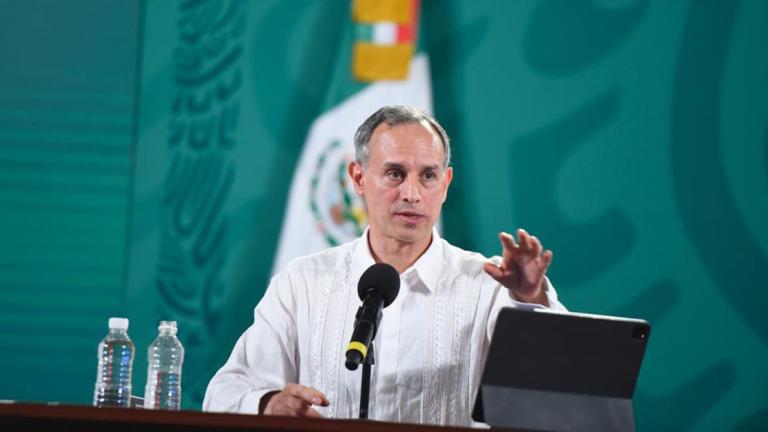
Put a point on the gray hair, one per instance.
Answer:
(393, 116)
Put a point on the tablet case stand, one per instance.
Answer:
(553, 411)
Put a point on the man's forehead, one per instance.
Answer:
(421, 124)
(406, 133)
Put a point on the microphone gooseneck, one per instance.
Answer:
(378, 288)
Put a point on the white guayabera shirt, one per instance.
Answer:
(430, 346)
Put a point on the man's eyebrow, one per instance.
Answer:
(394, 165)
(401, 167)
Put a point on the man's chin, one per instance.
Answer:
(413, 232)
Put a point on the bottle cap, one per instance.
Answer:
(118, 323)
(167, 325)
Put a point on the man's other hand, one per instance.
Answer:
(294, 400)
(522, 267)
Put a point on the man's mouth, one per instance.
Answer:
(410, 217)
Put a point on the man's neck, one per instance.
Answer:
(399, 254)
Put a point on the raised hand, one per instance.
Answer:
(523, 267)
(295, 400)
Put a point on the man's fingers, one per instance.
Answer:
(311, 412)
(307, 394)
(529, 245)
(493, 270)
(547, 258)
(296, 400)
(295, 405)
(508, 240)
(293, 389)
(508, 246)
(523, 266)
(537, 247)
(523, 240)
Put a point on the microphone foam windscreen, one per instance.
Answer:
(381, 277)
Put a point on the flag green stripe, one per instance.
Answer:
(363, 32)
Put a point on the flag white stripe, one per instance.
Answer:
(384, 33)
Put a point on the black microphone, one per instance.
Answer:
(377, 288)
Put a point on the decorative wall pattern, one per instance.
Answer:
(203, 120)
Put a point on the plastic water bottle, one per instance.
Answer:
(113, 378)
(165, 357)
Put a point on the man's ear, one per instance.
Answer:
(447, 178)
(355, 170)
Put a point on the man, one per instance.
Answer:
(432, 339)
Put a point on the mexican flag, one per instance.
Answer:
(380, 52)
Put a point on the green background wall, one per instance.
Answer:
(67, 99)
(631, 136)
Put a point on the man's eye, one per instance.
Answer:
(429, 175)
(397, 175)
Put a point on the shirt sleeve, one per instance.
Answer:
(264, 357)
(504, 298)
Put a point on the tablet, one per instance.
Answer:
(548, 370)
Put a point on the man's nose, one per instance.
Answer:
(409, 191)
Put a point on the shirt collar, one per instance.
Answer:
(427, 268)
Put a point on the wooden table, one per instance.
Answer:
(30, 417)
